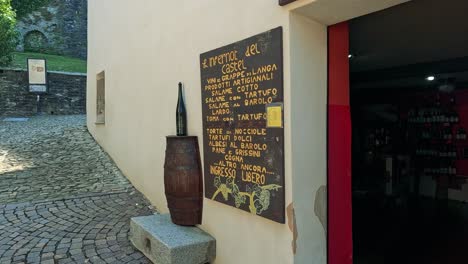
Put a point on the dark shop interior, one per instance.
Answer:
(409, 107)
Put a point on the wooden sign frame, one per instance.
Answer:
(243, 157)
(37, 75)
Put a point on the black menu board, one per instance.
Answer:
(243, 134)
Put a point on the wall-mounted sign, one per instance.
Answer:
(243, 135)
(37, 74)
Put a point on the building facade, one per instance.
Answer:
(145, 48)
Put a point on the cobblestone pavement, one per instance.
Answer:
(53, 157)
(62, 200)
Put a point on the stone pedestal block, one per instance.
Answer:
(166, 243)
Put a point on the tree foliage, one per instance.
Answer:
(24, 7)
(8, 34)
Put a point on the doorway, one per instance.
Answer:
(409, 109)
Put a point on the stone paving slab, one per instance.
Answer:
(15, 119)
(164, 242)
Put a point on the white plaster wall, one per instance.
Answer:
(309, 134)
(146, 48)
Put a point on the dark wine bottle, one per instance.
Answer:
(181, 115)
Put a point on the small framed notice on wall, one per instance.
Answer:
(37, 75)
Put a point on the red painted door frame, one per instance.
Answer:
(340, 244)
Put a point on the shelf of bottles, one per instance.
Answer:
(378, 138)
(438, 138)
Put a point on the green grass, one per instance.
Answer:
(54, 62)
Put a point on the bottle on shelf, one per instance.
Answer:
(439, 116)
(447, 133)
(461, 134)
(453, 152)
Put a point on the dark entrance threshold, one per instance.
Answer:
(416, 230)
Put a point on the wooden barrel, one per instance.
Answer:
(183, 181)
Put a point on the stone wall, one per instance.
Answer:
(58, 28)
(66, 96)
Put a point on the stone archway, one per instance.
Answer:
(35, 41)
